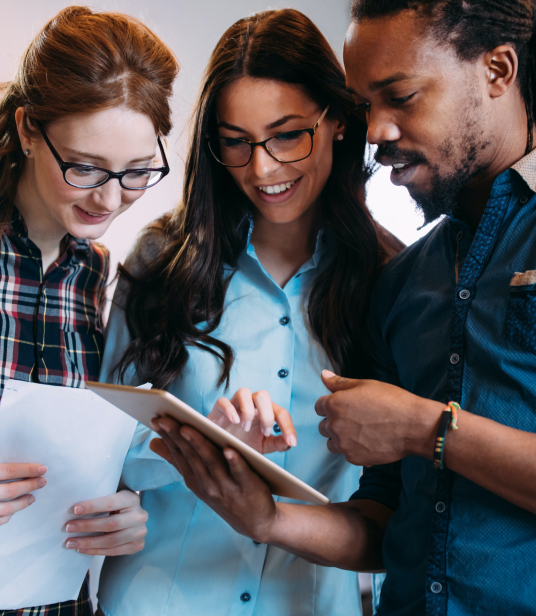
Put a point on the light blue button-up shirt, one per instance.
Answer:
(193, 562)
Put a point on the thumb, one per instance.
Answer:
(337, 383)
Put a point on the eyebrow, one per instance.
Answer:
(383, 83)
(275, 124)
(101, 159)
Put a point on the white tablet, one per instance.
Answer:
(144, 405)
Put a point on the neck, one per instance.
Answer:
(283, 248)
(512, 147)
(43, 230)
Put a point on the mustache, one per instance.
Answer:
(391, 150)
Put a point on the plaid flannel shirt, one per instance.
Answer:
(51, 331)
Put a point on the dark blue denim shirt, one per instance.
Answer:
(452, 547)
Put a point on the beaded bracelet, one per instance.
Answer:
(449, 419)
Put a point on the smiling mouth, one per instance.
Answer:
(94, 215)
(277, 189)
(400, 166)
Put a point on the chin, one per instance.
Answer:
(88, 232)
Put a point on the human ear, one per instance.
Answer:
(26, 140)
(501, 65)
(340, 130)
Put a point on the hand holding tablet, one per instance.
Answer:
(145, 405)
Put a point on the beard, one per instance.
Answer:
(461, 153)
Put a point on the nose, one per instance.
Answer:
(381, 127)
(109, 196)
(262, 164)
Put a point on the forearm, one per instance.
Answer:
(496, 457)
(338, 535)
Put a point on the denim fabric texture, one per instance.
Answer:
(452, 547)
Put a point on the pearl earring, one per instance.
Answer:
(340, 137)
(27, 152)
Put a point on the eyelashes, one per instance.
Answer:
(404, 99)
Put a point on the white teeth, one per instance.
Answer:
(399, 165)
(277, 188)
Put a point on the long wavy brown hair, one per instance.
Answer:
(179, 298)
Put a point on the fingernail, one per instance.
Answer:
(71, 545)
(228, 454)
(247, 426)
(164, 426)
(267, 431)
(79, 509)
(71, 528)
(236, 419)
(42, 482)
(31, 499)
(155, 425)
(292, 440)
(42, 470)
(186, 436)
(327, 374)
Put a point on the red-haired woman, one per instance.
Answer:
(80, 129)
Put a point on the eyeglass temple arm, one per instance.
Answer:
(164, 159)
(319, 121)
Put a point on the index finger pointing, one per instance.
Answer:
(284, 421)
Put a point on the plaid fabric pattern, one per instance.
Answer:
(51, 324)
(51, 331)
(81, 607)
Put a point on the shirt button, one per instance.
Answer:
(282, 374)
(436, 588)
(245, 597)
(459, 237)
(284, 321)
(256, 543)
(465, 294)
(454, 359)
(440, 507)
(41, 354)
(277, 429)
(524, 200)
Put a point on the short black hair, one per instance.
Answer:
(473, 27)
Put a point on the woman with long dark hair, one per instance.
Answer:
(258, 280)
(80, 128)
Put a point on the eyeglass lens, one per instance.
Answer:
(287, 148)
(84, 177)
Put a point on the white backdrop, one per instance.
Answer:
(192, 29)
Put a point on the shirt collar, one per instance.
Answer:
(73, 244)
(526, 167)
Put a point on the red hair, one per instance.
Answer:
(81, 62)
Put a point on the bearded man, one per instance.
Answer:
(447, 504)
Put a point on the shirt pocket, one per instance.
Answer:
(521, 316)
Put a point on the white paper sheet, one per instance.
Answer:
(83, 440)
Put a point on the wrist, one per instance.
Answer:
(426, 417)
(270, 530)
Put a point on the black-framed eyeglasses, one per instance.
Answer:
(289, 147)
(87, 176)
